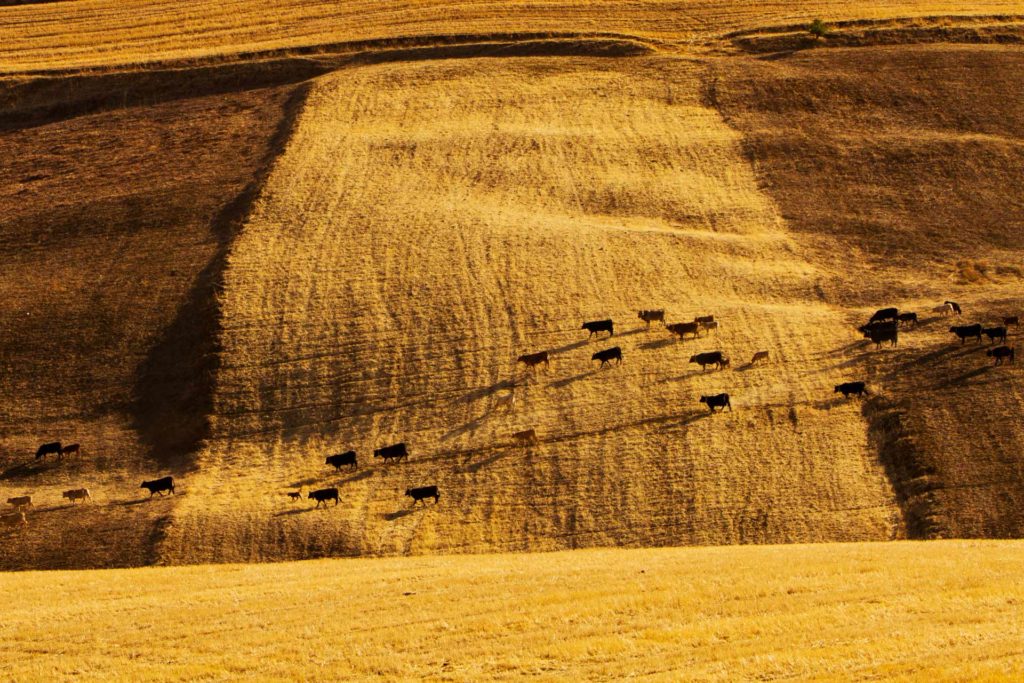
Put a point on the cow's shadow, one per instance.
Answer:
(682, 377)
(398, 514)
(965, 378)
(570, 347)
(657, 344)
(296, 511)
(484, 392)
(308, 481)
(25, 470)
(358, 476)
(465, 428)
(475, 467)
(566, 381)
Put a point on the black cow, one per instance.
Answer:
(394, 452)
(877, 326)
(994, 333)
(1001, 353)
(346, 458)
(908, 318)
(531, 360)
(717, 401)
(885, 314)
(710, 358)
(46, 449)
(614, 353)
(954, 305)
(596, 326)
(324, 495)
(652, 316)
(850, 388)
(883, 335)
(966, 331)
(422, 493)
(683, 329)
(159, 486)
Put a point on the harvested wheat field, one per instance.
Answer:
(945, 610)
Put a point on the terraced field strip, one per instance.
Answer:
(90, 33)
(423, 228)
(922, 611)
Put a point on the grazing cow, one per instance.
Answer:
(339, 459)
(994, 333)
(683, 329)
(710, 358)
(15, 520)
(295, 495)
(967, 331)
(759, 355)
(944, 309)
(20, 502)
(532, 360)
(717, 401)
(527, 437)
(70, 449)
(704, 319)
(652, 316)
(1001, 353)
(851, 388)
(614, 353)
(908, 319)
(422, 493)
(324, 495)
(46, 449)
(595, 326)
(883, 335)
(1011, 320)
(394, 452)
(75, 495)
(159, 486)
(885, 314)
(955, 306)
(710, 327)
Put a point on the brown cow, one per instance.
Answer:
(532, 360)
(20, 502)
(683, 329)
(527, 437)
(651, 316)
(75, 495)
(70, 449)
(759, 355)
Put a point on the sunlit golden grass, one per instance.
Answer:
(936, 611)
(84, 33)
(422, 229)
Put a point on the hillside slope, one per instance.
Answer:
(928, 142)
(113, 227)
(421, 230)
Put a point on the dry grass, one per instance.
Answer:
(408, 247)
(936, 611)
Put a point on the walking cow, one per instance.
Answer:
(422, 493)
(608, 355)
(711, 358)
(967, 331)
(346, 458)
(596, 326)
(161, 485)
(1001, 353)
(848, 389)
(651, 316)
(394, 452)
(324, 495)
(717, 401)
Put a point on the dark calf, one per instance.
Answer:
(1001, 354)
(851, 388)
(995, 334)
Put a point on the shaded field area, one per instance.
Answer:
(113, 226)
(897, 169)
(935, 611)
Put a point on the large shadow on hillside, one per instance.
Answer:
(174, 385)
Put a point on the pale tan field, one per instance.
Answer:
(90, 33)
(899, 611)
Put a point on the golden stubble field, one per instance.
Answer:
(427, 224)
(905, 611)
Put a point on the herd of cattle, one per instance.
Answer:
(883, 327)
